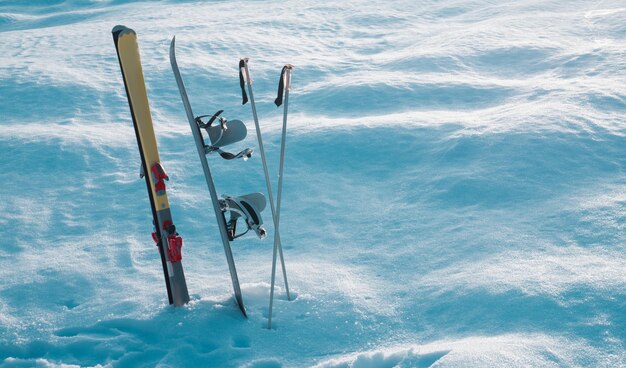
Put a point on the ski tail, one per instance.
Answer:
(165, 235)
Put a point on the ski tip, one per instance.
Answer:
(173, 50)
(120, 29)
(173, 45)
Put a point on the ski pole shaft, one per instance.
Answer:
(287, 83)
(248, 81)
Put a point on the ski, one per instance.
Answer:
(165, 235)
(248, 207)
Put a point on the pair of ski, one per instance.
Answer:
(225, 133)
(247, 207)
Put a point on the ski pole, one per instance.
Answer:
(282, 84)
(243, 68)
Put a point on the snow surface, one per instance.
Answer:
(454, 184)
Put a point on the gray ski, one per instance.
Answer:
(246, 207)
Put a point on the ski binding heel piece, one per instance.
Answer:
(175, 245)
(248, 207)
(174, 242)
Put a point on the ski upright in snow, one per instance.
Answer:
(221, 133)
(167, 239)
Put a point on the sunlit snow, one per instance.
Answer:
(454, 190)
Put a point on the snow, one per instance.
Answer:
(454, 192)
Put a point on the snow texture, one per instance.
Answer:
(454, 184)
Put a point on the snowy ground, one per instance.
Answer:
(454, 192)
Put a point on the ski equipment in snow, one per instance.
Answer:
(245, 79)
(284, 85)
(165, 235)
(249, 207)
(222, 132)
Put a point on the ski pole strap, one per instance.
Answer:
(281, 88)
(242, 83)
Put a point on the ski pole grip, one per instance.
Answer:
(288, 68)
(242, 83)
(283, 83)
